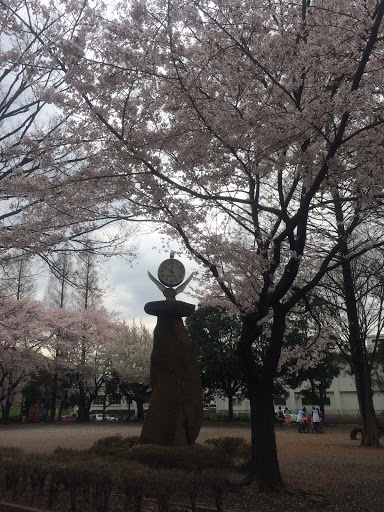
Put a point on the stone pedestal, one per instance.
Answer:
(176, 408)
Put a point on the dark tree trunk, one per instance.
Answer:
(5, 409)
(359, 359)
(263, 471)
(84, 406)
(21, 408)
(61, 407)
(360, 364)
(230, 407)
(52, 414)
(322, 398)
(140, 409)
(104, 405)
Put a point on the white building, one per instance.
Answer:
(341, 397)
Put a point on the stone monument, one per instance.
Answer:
(176, 407)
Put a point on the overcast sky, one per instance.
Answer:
(128, 287)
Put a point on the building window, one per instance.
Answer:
(280, 401)
(116, 399)
(99, 400)
(309, 401)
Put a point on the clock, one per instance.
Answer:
(171, 272)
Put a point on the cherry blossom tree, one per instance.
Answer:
(43, 200)
(310, 359)
(237, 126)
(58, 296)
(129, 357)
(82, 337)
(22, 336)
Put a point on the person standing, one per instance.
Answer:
(287, 417)
(315, 420)
(280, 417)
(300, 421)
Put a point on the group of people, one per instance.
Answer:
(304, 423)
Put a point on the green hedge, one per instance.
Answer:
(85, 480)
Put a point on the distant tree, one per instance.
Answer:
(37, 391)
(316, 380)
(130, 355)
(61, 277)
(58, 295)
(214, 332)
(87, 292)
(310, 356)
(354, 298)
(83, 342)
(23, 334)
(17, 279)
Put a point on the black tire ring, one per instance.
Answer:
(357, 430)
(354, 433)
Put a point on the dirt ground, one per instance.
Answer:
(327, 472)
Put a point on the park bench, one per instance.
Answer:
(330, 421)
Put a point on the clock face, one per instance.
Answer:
(171, 272)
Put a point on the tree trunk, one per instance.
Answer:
(84, 406)
(140, 409)
(230, 407)
(52, 414)
(323, 398)
(360, 364)
(21, 408)
(63, 400)
(263, 471)
(104, 405)
(5, 409)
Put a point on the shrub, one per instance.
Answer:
(66, 452)
(224, 417)
(187, 457)
(236, 448)
(116, 446)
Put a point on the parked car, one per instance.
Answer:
(99, 417)
(69, 417)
